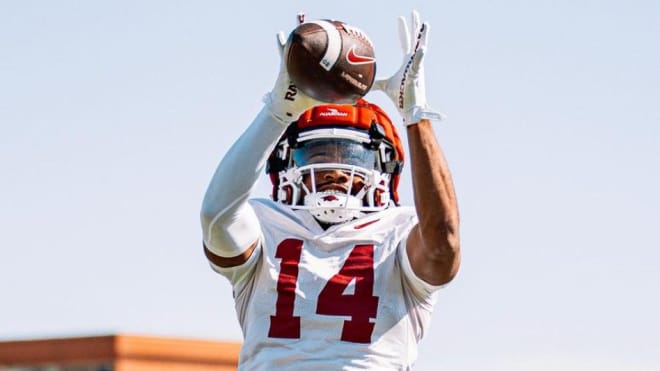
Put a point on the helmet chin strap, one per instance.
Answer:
(332, 207)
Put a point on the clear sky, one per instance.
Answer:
(114, 114)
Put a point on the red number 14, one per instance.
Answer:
(360, 306)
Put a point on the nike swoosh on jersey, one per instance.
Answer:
(366, 224)
(354, 58)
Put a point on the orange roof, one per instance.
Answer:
(124, 353)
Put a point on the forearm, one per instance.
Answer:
(227, 221)
(435, 249)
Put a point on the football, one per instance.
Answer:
(330, 61)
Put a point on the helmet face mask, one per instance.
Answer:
(336, 166)
(331, 202)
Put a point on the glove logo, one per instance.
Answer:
(354, 58)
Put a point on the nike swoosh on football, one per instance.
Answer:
(354, 58)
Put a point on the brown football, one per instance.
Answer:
(330, 61)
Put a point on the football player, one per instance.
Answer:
(331, 273)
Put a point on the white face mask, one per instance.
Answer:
(337, 199)
(341, 204)
(364, 187)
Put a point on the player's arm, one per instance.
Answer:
(230, 227)
(433, 246)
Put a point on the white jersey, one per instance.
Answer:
(341, 298)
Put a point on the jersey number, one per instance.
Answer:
(360, 306)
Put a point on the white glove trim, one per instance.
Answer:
(418, 113)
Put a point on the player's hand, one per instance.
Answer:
(406, 88)
(286, 102)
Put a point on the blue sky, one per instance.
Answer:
(114, 115)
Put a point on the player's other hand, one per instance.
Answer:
(406, 88)
(286, 102)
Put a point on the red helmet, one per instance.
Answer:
(362, 141)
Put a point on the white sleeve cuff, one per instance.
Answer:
(421, 287)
